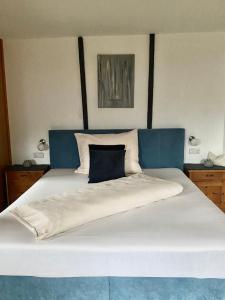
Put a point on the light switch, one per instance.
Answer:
(194, 150)
(38, 155)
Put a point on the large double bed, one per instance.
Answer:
(170, 249)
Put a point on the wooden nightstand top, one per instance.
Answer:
(201, 167)
(44, 168)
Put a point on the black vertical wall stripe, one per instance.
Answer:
(83, 81)
(151, 79)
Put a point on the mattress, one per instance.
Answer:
(183, 236)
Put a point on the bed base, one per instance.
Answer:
(110, 288)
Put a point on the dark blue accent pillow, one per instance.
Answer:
(106, 147)
(107, 162)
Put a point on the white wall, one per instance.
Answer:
(43, 91)
(190, 87)
(224, 136)
(44, 87)
(224, 133)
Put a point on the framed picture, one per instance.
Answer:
(116, 81)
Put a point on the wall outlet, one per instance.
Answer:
(194, 150)
(38, 155)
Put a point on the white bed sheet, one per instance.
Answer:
(183, 236)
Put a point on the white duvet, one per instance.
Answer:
(59, 213)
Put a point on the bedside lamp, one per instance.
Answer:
(42, 145)
(193, 141)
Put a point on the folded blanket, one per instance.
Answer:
(57, 214)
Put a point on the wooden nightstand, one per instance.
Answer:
(211, 181)
(19, 179)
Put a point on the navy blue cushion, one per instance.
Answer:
(106, 147)
(107, 162)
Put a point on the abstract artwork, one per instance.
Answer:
(116, 81)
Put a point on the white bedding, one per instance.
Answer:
(183, 236)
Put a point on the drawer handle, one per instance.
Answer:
(214, 193)
(209, 175)
(23, 175)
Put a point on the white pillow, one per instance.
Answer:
(129, 139)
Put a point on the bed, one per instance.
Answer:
(171, 249)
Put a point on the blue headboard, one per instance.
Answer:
(158, 148)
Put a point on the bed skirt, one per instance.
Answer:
(110, 288)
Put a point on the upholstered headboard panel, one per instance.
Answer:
(158, 148)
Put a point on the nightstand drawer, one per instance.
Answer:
(19, 187)
(19, 182)
(24, 175)
(215, 193)
(211, 181)
(202, 186)
(20, 179)
(206, 175)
